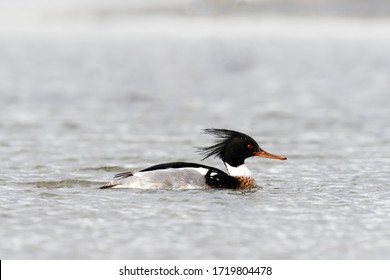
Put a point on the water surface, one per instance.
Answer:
(75, 110)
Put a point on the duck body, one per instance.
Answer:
(233, 148)
(175, 175)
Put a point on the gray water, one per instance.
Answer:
(78, 108)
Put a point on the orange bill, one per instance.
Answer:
(268, 155)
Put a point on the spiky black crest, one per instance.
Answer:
(223, 136)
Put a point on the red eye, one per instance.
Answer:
(249, 146)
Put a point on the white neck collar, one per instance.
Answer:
(241, 170)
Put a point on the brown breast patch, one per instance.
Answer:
(246, 182)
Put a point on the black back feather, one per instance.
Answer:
(223, 136)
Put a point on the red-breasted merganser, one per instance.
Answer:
(232, 148)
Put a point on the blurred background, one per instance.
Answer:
(23, 13)
(91, 88)
(110, 9)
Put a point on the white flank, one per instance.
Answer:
(171, 178)
(241, 170)
(201, 170)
